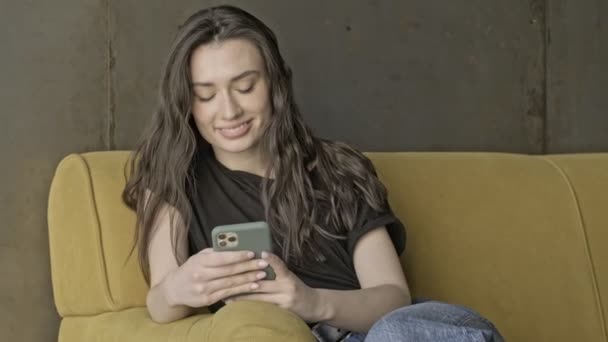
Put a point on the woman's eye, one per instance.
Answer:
(205, 99)
(246, 90)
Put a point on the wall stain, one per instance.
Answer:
(111, 62)
(536, 118)
(536, 94)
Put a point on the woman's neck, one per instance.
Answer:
(250, 161)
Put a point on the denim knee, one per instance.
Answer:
(434, 321)
(452, 314)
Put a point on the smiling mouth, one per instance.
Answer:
(235, 131)
(235, 127)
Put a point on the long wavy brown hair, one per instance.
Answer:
(309, 173)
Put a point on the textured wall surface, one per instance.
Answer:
(53, 96)
(577, 74)
(383, 75)
(515, 76)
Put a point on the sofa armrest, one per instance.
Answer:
(91, 234)
(80, 285)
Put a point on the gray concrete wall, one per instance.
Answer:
(577, 74)
(384, 75)
(53, 97)
(517, 76)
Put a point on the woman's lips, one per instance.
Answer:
(235, 132)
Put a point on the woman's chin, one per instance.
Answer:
(235, 147)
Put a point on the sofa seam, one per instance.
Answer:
(104, 312)
(108, 291)
(198, 319)
(52, 252)
(573, 194)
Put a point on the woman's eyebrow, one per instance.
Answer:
(234, 79)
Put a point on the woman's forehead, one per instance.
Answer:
(219, 62)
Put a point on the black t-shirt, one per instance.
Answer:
(225, 196)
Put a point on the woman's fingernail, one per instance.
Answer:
(254, 286)
(260, 275)
(250, 254)
(264, 255)
(262, 263)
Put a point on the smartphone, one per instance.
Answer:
(251, 236)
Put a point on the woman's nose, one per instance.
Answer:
(231, 108)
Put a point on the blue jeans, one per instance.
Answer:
(430, 321)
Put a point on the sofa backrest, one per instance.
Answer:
(519, 238)
(508, 235)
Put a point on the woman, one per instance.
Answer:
(228, 145)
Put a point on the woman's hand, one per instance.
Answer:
(286, 291)
(209, 276)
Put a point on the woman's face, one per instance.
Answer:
(231, 104)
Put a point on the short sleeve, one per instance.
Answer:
(370, 219)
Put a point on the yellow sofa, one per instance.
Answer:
(519, 238)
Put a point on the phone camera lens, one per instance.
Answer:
(232, 239)
(221, 236)
(222, 243)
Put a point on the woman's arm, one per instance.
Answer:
(163, 262)
(383, 286)
(205, 278)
